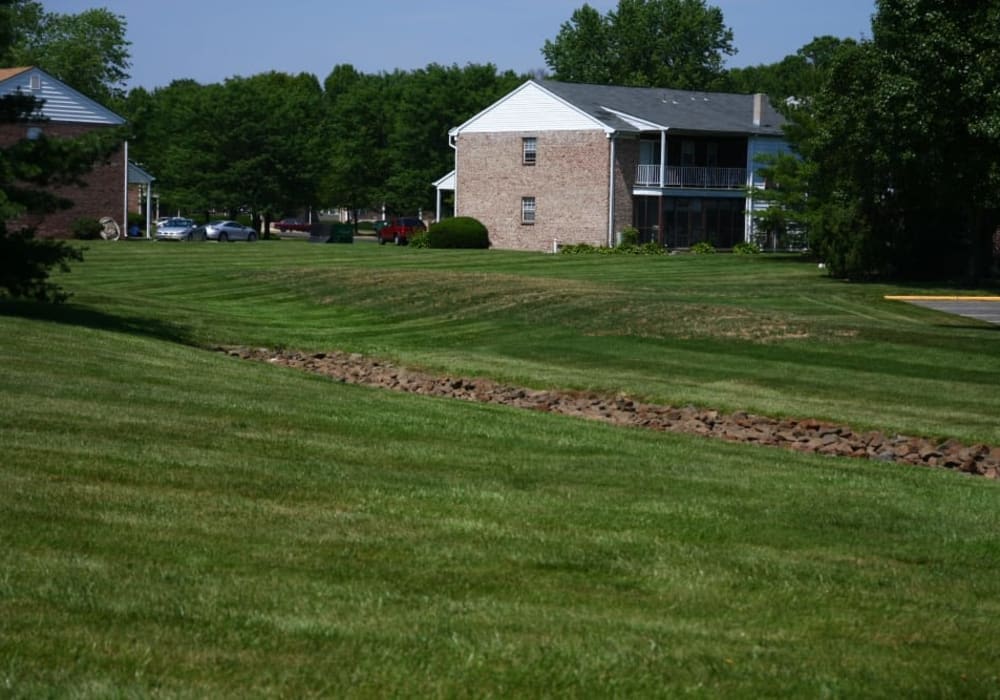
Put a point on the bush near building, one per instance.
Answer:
(458, 232)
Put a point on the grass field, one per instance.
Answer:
(175, 522)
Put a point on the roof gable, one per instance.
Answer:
(531, 107)
(61, 103)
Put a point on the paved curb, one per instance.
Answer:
(905, 297)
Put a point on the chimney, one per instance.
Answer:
(758, 108)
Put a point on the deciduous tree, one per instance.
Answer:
(645, 43)
(27, 169)
(907, 147)
(88, 51)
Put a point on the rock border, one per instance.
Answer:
(798, 434)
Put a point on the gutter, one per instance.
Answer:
(452, 141)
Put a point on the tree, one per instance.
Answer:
(250, 143)
(644, 43)
(907, 148)
(358, 111)
(389, 132)
(27, 168)
(798, 77)
(88, 51)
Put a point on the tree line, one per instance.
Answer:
(274, 143)
(896, 164)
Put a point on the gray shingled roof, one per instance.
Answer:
(672, 109)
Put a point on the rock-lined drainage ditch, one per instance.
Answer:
(802, 435)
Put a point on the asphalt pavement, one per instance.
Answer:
(980, 308)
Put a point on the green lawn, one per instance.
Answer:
(176, 522)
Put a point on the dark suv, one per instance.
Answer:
(400, 229)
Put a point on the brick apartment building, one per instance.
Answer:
(558, 163)
(67, 113)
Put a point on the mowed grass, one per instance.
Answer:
(176, 522)
(764, 334)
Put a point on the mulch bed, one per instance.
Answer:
(799, 434)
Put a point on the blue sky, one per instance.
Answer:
(211, 40)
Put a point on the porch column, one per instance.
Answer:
(663, 159)
(149, 208)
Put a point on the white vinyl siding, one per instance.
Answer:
(530, 108)
(61, 102)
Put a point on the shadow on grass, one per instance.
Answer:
(74, 315)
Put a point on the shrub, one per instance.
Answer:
(746, 249)
(623, 249)
(650, 248)
(629, 237)
(702, 248)
(579, 248)
(420, 239)
(87, 229)
(458, 232)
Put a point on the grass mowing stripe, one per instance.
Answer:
(178, 522)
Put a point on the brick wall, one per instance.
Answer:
(102, 194)
(569, 182)
(626, 163)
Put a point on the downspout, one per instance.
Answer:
(611, 193)
(125, 207)
(452, 141)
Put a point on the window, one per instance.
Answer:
(36, 83)
(529, 150)
(34, 133)
(527, 210)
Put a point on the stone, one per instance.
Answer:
(798, 434)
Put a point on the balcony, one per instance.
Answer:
(698, 177)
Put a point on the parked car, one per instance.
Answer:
(223, 231)
(177, 229)
(293, 225)
(400, 229)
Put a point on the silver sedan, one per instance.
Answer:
(177, 229)
(223, 231)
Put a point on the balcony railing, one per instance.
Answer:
(692, 176)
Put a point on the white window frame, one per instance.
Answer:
(529, 150)
(529, 207)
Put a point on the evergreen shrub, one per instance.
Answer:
(458, 232)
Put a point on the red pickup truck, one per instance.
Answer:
(400, 229)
